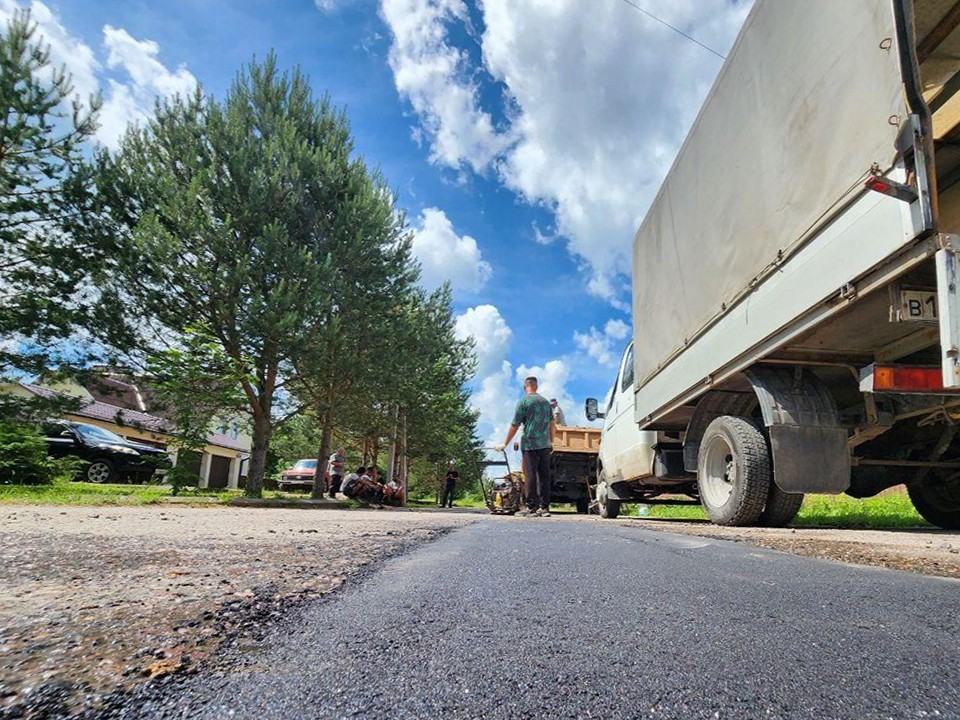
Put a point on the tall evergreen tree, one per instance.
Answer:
(44, 195)
(233, 216)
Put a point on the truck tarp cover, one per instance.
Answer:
(800, 111)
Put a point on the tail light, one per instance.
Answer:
(901, 379)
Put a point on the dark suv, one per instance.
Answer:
(109, 457)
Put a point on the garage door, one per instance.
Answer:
(219, 472)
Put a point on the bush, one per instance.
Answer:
(24, 459)
(180, 477)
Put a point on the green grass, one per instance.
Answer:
(81, 493)
(891, 510)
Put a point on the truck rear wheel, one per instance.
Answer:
(781, 507)
(733, 471)
(937, 500)
(609, 508)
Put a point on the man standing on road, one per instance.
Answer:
(336, 472)
(449, 487)
(535, 414)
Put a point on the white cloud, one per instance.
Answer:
(125, 99)
(495, 399)
(436, 78)
(552, 378)
(599, 97)
(604, 346)
(491, 336)
(65, 50)
(444, 255)
(132, 101)
(616, 329)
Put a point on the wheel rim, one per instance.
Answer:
(719, 472)
(98, 472)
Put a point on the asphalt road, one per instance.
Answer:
(552, 618)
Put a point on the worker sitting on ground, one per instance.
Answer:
(360, 486)
(393, 493)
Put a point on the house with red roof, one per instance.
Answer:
(126, 405)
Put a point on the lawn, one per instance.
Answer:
(890, 510)
(81, 493)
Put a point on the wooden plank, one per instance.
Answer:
(940, 32)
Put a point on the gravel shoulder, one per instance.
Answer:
(921, 550)
(99, 599)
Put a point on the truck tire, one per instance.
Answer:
(733, 471)
(781, 507)
(609, 508)
(937, 501)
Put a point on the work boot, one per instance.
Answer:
(524, 513)
(543, 512)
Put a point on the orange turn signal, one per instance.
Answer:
(898, 378)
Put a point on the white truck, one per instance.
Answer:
(795, 301)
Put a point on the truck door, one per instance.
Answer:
(627, 462)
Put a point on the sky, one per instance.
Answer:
(525, 140)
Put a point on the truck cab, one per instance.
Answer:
(634, 465)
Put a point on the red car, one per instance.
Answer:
(300, 476)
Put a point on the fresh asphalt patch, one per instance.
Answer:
(511, 618)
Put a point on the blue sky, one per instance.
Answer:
(525, 139)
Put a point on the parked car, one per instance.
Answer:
(108, 456)
(300, 476)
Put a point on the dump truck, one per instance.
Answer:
(573, 465)
(796, 317)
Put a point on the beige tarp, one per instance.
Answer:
(801, 110)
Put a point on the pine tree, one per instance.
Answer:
(44, 195)
(233, 216)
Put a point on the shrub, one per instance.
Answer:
(180, 477)
(24, 459)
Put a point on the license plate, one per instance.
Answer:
(918, 305)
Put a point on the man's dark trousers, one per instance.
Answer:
(446, 500)
(335, 481)
(536, 471)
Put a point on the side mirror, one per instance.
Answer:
(592, 410)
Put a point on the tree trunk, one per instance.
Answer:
(404, 459)
(323, 457)
(258, 455)
(392, 451)
(374, 451)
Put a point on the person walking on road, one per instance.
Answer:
(535, 414)
(449, 487)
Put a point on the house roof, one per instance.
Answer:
(106, 412)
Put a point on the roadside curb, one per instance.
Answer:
(304, 504)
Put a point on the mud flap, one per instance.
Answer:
(807, 441)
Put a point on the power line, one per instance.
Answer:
(676, 30)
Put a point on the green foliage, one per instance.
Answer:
(240, 216)
(24, 459)
(888, 510)
(179, 477)
(63, 492)
(196, 384)
(44, 197)
(297, 438)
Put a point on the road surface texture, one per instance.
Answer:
(99, 599)
(549, 618)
